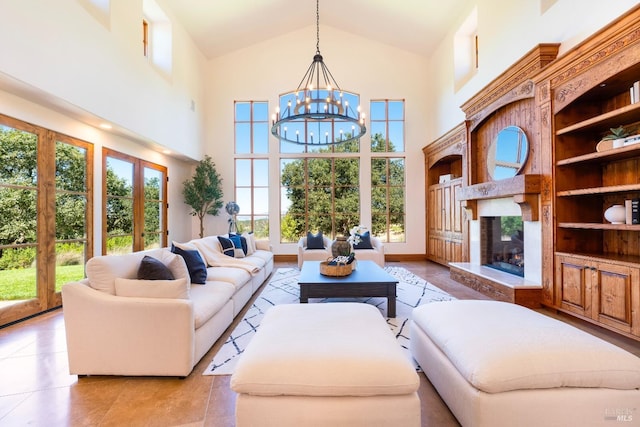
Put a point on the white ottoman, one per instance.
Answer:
(501, 364)
(333, 364)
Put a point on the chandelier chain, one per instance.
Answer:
(318, 26)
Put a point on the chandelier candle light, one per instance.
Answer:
(318, 112)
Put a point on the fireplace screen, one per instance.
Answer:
(503, 243)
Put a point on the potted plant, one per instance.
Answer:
(203, 192)
(616, 136)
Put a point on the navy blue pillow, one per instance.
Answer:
(365, 242)
(315, 241)
(195, 264)
(239, 242)
(227, 246)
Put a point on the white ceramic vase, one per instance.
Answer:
(615, 214)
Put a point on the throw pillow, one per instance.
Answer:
(152, 288)
(153, 269)
(227, 246)
(365, 242)
(249, 240)
(315, 241)
(195, 264)
(240, 251)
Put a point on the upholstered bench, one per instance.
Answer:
(500, 364)
(333, 364)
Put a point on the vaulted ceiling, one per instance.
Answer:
(219, 27)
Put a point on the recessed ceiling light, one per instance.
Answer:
(105, 126)
(166, 151)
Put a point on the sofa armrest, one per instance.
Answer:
(377, 244)
(113, 335)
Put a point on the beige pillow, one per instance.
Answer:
(175, 289)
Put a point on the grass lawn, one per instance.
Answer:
(21, 284)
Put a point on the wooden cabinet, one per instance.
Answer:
(445, 173)
(605, 292)
(582, 96)
(444, 214)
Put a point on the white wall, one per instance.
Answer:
(376, 71)
(506, 31)
(59, 48)
(62, 69)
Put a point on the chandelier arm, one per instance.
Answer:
(318, 113)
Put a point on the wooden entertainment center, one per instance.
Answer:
(590, 267)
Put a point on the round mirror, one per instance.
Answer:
(507, 153)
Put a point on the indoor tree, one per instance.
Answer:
(203, 192)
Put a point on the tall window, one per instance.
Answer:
(252, 166)
(388, 170)
(45, 216)
(134, 215)
(320, 193)
(319, 185)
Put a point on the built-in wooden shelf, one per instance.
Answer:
(604, 156)
(599, 226)
(626, 114)
(600, 190)
(628, 260)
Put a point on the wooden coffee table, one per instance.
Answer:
(367, 280)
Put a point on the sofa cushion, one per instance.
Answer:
(499, 346)
(315, 241)
(153, 269)
(176, 289)
(238, 277)
(208, 300)
(195, 264)
(228, 248)
(365, 241)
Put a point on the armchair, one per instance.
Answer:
(376, 254)
(305, 254)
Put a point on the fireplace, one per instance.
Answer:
(502, 243)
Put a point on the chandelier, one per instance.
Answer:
(318, 112)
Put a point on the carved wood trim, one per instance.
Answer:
(453, 142)
(510, 86)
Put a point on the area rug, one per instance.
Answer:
(283, 288)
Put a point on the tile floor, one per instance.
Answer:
(36, 388)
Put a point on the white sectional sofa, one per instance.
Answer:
(117, 324)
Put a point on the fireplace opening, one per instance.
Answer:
(502, 243)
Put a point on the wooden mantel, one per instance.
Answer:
(525, 190)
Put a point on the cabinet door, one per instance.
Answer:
(447, 208)
(432, 209)
(438, 209)
(573, 277)
(456, 207)
(612, 295)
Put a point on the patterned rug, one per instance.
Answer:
(283, 288)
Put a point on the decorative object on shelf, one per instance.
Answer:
(318, 113)
(616, 138)
(341, 247)
(232, 209)
(616, 214)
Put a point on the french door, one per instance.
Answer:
(46, 216)
(134, 194)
